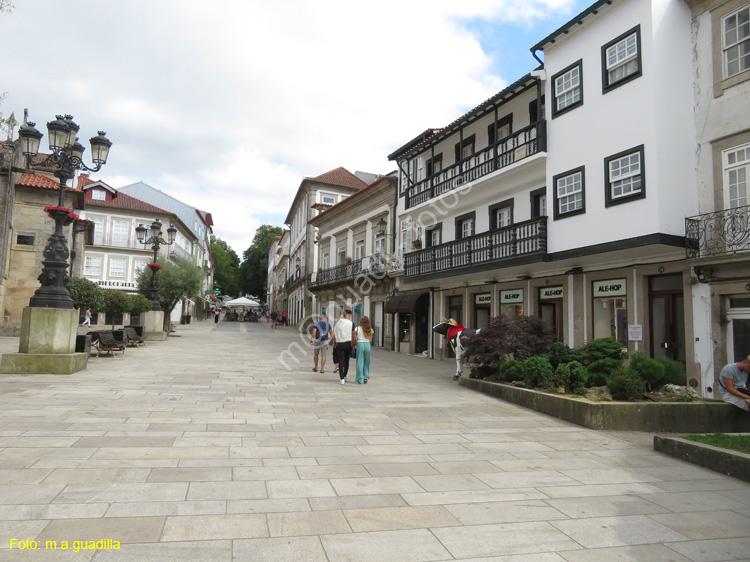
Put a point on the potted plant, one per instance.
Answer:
(348, 260)
(417, 244)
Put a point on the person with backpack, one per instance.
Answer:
(320, 340)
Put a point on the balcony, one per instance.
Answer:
(297, 276)
(520, 243)
(336, 275)
(718, 234)
(181, 253)
(514, 148)
(114, 241)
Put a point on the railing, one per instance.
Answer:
(181, 253)
(117, 241)
(298, 274)
(718, 233)
(337, 274)
(519, 240)
(521, 144)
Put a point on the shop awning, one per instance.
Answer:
(406, 302)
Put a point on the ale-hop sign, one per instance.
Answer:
(613, 288)
(551, 293)
(511, 297)
(483, 299)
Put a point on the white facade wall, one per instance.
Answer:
(650, 110)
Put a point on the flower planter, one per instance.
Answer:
(657, 417)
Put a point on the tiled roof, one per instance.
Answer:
(340, 176)
(129, 203)
(391, 177)
(40, 180)
(84, 181)
(321, 206)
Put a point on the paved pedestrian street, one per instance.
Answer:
(204, 447)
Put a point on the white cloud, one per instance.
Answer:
(229, 105)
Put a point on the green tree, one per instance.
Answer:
(138, 305)
(254, 268)
(85, 293)
(177, 280)
(227, 275)
(115, 303)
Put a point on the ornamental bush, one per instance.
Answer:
(538, 373)
(674, 372)
(598, 372)
(509, 337)
(84, 293)
(115, 303)
(600, 348)
(571, 376)
(626, 385)
(512, 370)
(650, 371)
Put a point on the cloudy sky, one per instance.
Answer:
(228, 105)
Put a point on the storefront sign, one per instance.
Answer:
(511, 297)
(614, 288)
(551, 293)
(106, 284)
(635, 332)
(483, 299)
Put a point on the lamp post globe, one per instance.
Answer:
(66, 157)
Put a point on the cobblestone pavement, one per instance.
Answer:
(204, 448)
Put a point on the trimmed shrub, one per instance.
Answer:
(482, 371)
(504, 337)
(512, 371)
(571, 376)
(560, 353)
(626, 385)
(674, 372)
(598, 371)
(538, 373)
(600, 348)
(650, 371)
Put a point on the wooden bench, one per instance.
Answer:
(132, 337)
(104, 340)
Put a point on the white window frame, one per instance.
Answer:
(435, 237)
(98, 195)
(569, 193)
(98, 229)
(502, 217)
(736, 172)
(92, 266)
(359, 249)
(625, 175)
(622, 59)
(120, 233)
(737, 44)
(568, 88)
(379, 245)
(138, 266)
(119, 272)
(326, 261)
(542, 205)
(341, 255)
(467, 228)
(406, 236)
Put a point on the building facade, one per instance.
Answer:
(312, 195)
(352, 246)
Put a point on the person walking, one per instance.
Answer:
(342, 337)
(319, 340)
(362, 338)
(87, 320)
(217, 312)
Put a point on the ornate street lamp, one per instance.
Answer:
(66, 154)
(156, 242)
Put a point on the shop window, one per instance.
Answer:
(611, 310)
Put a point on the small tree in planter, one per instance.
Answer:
(115, 304)
(348, 260)
(417, 244)
(84, 293)
(509, 337)
(138, 305)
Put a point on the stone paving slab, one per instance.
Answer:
(204, 447)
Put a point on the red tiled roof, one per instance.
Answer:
(84, 181)
(40, 180)
(391, 176)
(321, 206)
(340, 176)
(127, 202)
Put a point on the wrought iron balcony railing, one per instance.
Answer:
(526, 239)
(521, 144)
(334, 275)
(718, 233)
(297, 276)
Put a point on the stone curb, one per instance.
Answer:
(657, 417)
(726, 461)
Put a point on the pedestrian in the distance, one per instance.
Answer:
(342, 336)
(362, 339)
(217, 312)
(87, 320)
(319, 341)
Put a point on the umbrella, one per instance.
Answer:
(242, 301)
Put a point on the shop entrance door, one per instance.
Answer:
(667, 317)
(550, 311)
(738, 329)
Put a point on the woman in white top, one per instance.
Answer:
(362, 337)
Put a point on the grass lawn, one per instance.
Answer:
(739, 443)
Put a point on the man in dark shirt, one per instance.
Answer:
(320, 338)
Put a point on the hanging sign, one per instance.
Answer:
(551, 293)
(613, 288)
(483, 299)
(511, 297)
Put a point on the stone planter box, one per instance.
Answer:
(726, 461)
(657, 417)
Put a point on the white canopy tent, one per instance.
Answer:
(242, 301)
